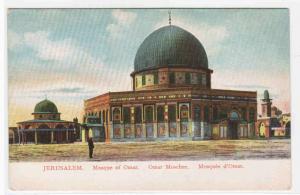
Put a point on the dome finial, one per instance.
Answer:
(169, 16)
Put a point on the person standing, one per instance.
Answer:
(91, 147)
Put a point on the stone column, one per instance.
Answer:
(202, 113)
(83, 136)
(247, 114)
(178, 120)
(108, 126)
(67, 136)
(19, 136)
(192, 134)
(209, 130)
(110, 129)
(178, 127)
(132, 121)
(154, 129)
(122, 129)
(190, 125)
(166, 121)
(52, 137)
(35, 137)
(202, 130)
(143, 123)
(154, 121)
(144, 130)
(250, 134)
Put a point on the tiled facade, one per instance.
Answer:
(172, 97)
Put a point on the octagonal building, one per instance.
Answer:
(172, 98)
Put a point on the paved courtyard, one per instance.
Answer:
(144, 151)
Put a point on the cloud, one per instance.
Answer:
(248, 86)
(49, 50)
(14, 40)
(211, 36)
(65, 50)
(67, 90)
(122, 19)
(278, 84)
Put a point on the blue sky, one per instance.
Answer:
(74, 54)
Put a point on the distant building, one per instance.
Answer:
(47, 127)
(272, 123)
(275, 112)
(285, 121)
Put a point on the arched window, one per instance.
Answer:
(172, 113)
(223, 114)
(160, 114)
(138, 114)
(234, 116)
(100, 117)
(116, 115)
(149, 114)
(251, 114)
(244, 113)
(262, 130)
(126, 115)
(215, 113)
(206, 113)
(184, 112)
(197, 113)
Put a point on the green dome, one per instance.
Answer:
(45, 106)
(170, 46)
(266, 95)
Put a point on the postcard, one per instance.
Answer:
(149, 100)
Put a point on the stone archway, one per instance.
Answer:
(262, 130)
(184, 117)
(233, 124)
(288, 129)
(11, 137)
(149, 119)
(60, 134)
(71, 133)
(28, 135)
(44, 134)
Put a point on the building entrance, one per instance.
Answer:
(233, 130)
(233, 125)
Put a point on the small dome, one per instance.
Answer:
(170, 46)
(45, 106)
(266, 95)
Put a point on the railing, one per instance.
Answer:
(157, 130)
